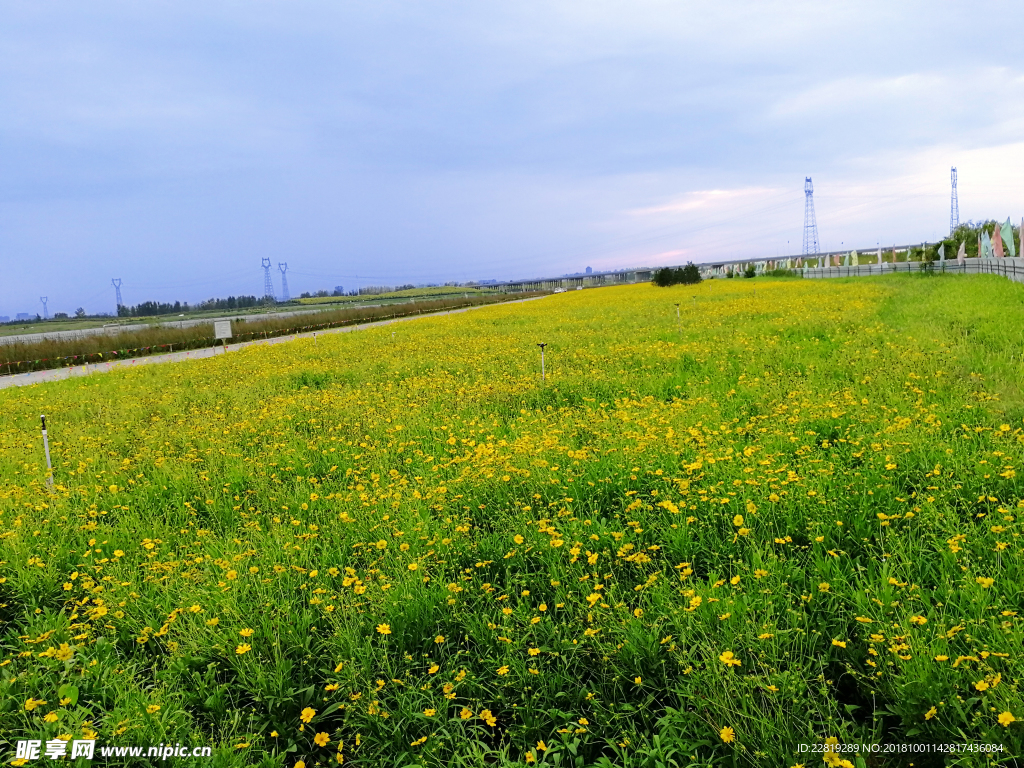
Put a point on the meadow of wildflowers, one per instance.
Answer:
(791, 518)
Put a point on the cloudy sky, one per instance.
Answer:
(176, 144)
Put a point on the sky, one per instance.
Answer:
(174, 145)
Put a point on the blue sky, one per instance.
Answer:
(174, 145)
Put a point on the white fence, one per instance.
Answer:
(1010, 268)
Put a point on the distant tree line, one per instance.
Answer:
(152, 308)
(338, 291)
(688, 275)
(375, 290)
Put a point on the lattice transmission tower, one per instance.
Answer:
(116, 282)
(268, 285)
(46, 314)
(283, 266)
(954, 205)
(810, 222)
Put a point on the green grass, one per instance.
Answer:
(408, 293)
(819, 480)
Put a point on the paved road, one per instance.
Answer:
(56, 374)
(116, 329)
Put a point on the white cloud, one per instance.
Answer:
(880, 97)
(708, 200)
(972, 104)
(472, 140)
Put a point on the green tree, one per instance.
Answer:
(664, 277)
(690, 274)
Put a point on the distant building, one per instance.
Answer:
(589, 270)
(4, 319)
(23, 316)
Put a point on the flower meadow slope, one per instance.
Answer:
(792, 517)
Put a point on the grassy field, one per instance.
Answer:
(790, 519)
(408, 293)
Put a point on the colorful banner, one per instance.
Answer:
(1006, 230)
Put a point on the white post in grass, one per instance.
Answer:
(46, 449)
(679, 322)
(542, 361)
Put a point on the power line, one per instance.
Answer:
(954, 206)
(193, 283)
(268, 285)
(810, 221)
(283, 266)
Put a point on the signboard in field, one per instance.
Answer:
(222, 329)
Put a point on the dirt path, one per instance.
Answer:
(56, 374)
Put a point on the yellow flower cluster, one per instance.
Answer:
(379, 543)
